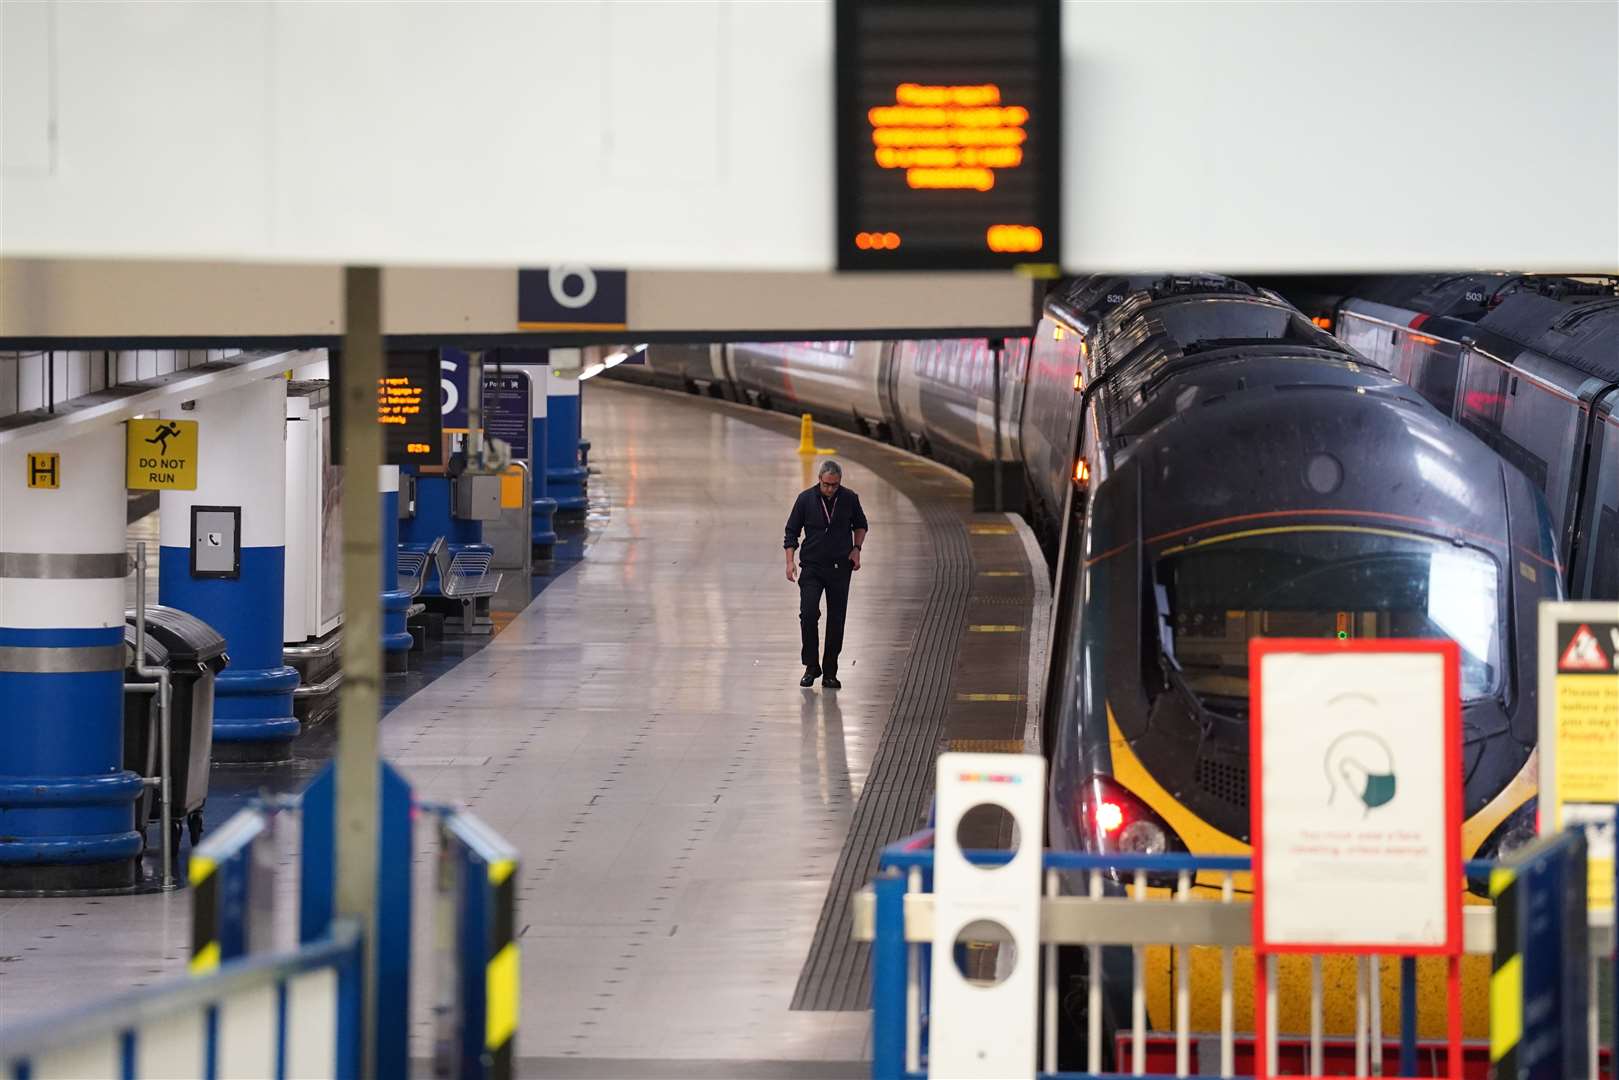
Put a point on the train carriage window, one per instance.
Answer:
(1433, 365)
(1530, 428)
(1371, 340)
(1325, 582)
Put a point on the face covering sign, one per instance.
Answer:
(1356, 801)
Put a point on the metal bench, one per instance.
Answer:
(412, 570)
(465, 576)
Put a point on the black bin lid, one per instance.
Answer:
(156, 652)
(188, 639)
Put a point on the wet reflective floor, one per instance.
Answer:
(637, 731)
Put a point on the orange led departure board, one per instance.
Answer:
(948, 132)
(409, 407)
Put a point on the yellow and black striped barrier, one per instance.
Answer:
(221, 878)
(502, 973)
(1506, 976)
(1539, 974)
(204, 915)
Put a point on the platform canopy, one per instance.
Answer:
(698, 135)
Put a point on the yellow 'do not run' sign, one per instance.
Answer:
(161, 455)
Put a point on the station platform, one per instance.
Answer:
(692, 824)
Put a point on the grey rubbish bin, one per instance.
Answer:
(194, 653)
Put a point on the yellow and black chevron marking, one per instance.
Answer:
(501, 974)
(1506, 977)
(204, 915)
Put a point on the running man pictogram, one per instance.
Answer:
(164, 433)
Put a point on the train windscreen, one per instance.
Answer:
(1324, 582)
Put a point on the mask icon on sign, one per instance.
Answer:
(1360, 764)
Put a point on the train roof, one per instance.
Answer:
(1392, 457)
(1473, 295)
(1149, 336)
(1584, 336)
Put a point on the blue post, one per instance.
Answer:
(564, 476)
(888, 980)
(243, 469)
(392, 986)
(1408, 1016)
(396, 639)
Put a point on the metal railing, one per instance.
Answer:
(241, 886)
(295, 1013)
(1109, 906)
(476, 953)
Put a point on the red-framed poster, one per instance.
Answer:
(1356, 802)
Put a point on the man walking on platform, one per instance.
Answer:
(834, 527)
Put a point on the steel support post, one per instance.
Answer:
(359, 704)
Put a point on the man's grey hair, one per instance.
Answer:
(830, 466)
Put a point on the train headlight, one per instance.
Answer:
(1113, 819)
(1143, 838)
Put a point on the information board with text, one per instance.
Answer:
(1579, 729)
(409, 408)
(948, 134)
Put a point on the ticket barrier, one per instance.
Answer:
(1546, 960)
(275, 985)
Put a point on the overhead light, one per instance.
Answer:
(592, 371)
(614, 359)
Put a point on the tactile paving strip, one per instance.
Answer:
(899, 788)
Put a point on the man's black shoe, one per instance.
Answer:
(810, 675)
(831, 683)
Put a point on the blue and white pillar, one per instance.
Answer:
(241, 463)
(67, 806)
(544, 536)
(396, 638)
(565, 477)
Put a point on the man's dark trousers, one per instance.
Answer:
(812, 581)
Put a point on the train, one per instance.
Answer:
(1530, 365)
(1205, 464)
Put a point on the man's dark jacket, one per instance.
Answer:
(828, 525)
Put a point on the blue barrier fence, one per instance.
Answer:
(289, 1014)
(267, 998)
(477, 967)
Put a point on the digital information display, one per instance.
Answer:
(409, 408)
(949, 134)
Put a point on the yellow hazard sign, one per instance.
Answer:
(45, 470)
(1579, 730)
(161, 455)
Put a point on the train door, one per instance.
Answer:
(1594, 562)
(888, 390)
(1529, 422)
(910, 429)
